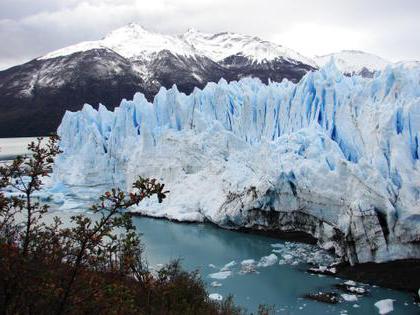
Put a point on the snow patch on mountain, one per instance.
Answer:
(222, 45)
(134, 41)
(131, 41)
(80, 47)
(354, 61)
(333, 156)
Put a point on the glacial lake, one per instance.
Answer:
(208, 249)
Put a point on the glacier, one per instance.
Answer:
(333, 156)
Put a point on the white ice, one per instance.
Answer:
(215, 297)
(331, 155)
(349, 297)
(385, 306)
(215, 284)
(267, 261)
(221, 275)
(228, 266)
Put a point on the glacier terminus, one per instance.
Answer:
(333, 156)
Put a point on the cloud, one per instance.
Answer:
(316, 39)
(389, 28)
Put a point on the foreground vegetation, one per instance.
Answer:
(89, 266)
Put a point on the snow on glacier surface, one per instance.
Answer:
(337, 148)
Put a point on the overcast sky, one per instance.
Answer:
(389, 28)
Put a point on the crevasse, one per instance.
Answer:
(333, 156)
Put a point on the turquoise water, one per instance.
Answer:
(199, 245)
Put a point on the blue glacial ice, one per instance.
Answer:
(333, 156)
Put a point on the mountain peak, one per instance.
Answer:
(134, 40)
(131, 30)
(192, 30)
(135, 25)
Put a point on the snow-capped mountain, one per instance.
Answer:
(35, 95)
(333, 156)
(355, 62)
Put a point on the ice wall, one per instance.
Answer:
(333, 156)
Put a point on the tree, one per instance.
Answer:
(25, 175)
(87, 244)
(94, 245)
(93, 265)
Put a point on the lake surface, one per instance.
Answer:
(209, 249)
(199, 245)
(11, 147)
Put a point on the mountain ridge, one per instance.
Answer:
(192, 42)
(35, 95)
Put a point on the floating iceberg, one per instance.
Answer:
(221, 275)
(267, 261)
(349, 297)
(216, 284)
(333, 156)
(385, 306)
(215, 297)
(248, 266)
(228, 266)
